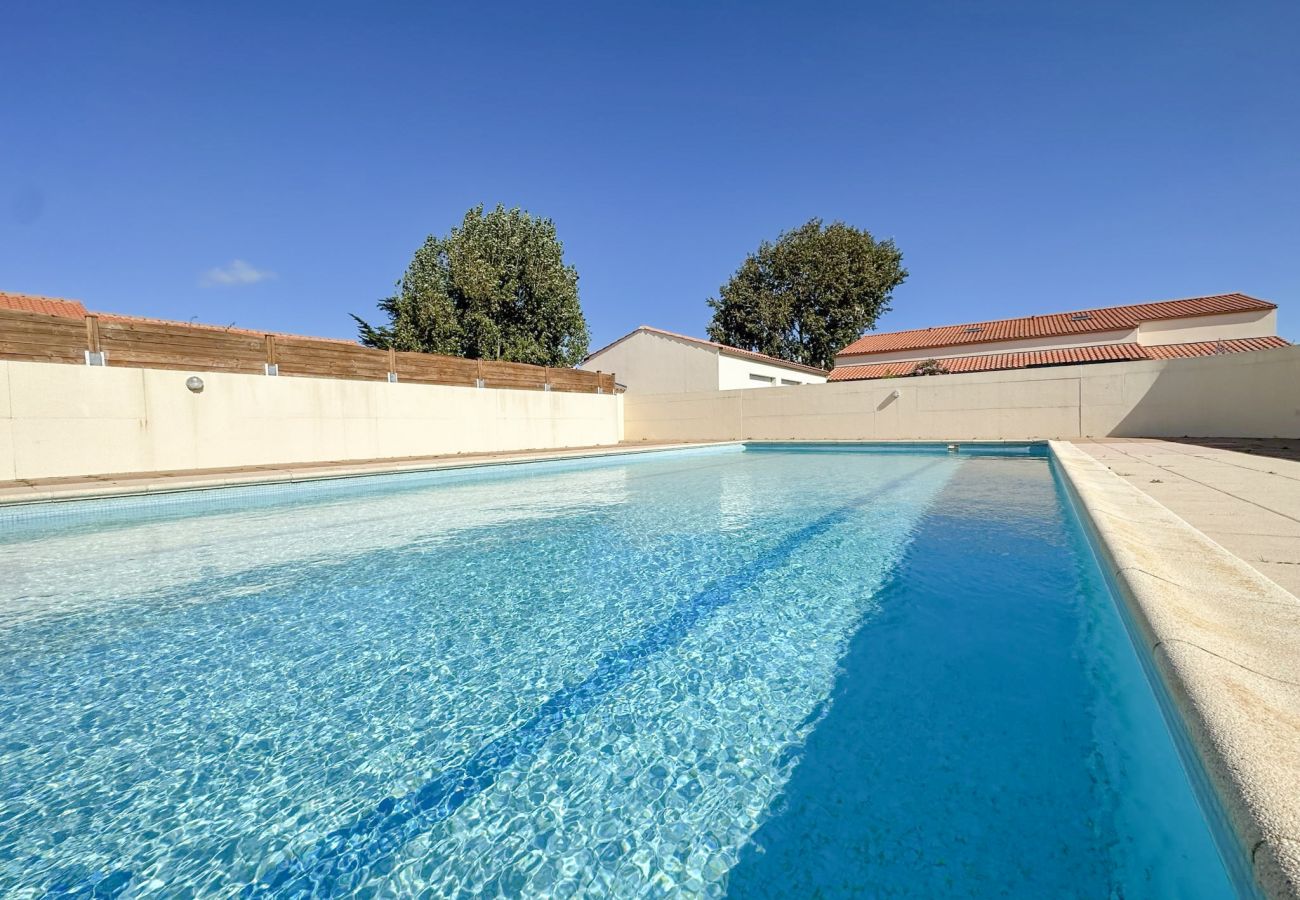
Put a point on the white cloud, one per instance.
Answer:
(236, 273)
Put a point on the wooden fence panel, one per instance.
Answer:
(157, 345)
(425, 368)
(330, 359)
(518, 376)
(140, 343)
(36, 337)
(573, 380)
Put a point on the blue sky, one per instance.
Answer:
(275, 165)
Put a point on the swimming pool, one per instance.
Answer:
(773, 672)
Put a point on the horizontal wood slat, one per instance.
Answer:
(571, 379)
(28, 353)
(238, 343)
(139, 343)
(13, 318)
(143, 326)
(59, 342)
(158, 345)
(496, 375)
(327, 359)
(33, 336)
(426, 368)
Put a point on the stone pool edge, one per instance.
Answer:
(1225, 642)
(128, 485)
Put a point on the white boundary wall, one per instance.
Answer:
(1234, 395)
(60, 419)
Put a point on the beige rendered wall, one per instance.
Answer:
(1239, 395)
(657, 364)
(734, 372)
(59, 419)
(1223, 327)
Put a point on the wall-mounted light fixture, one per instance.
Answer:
(195, 384)
(896, 394)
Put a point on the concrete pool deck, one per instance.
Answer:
(1223, 638)
(1244, 494)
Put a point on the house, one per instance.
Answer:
(1193, 326)
(653, 361)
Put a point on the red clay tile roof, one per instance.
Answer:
(49, 306)
(1086, 321)
(1068, 356)
(1210, 348)
(721, 348)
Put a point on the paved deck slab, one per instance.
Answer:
(1243, 494)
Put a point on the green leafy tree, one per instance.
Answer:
(930, 367)
(496, 287)
(809, 294)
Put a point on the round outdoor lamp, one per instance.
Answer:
(195, 384)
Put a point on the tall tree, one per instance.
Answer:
(496, 287)
(809, 294)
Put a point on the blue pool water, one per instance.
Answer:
(769, 673)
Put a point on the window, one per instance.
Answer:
(1079, 317)
(788, 381)
(974, 329)
(761, 379)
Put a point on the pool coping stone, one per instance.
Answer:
(56, 490)
(1225, 642)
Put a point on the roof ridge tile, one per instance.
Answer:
(1024, 359)
(1082, 321)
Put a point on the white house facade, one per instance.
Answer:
(652, 361)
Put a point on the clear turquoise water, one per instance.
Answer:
(764, 673)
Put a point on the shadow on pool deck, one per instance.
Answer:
(1277, 448)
